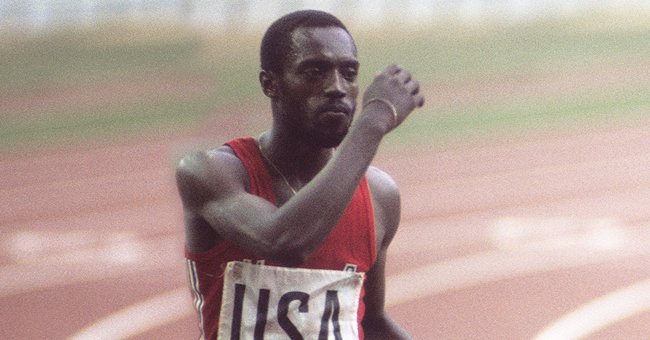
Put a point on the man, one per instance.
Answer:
(287, 233)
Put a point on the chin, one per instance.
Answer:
(326, 141)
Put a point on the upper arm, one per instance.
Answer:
(386, 202)
(387, 206)
(212, 186)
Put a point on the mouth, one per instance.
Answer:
(335, 114)
(337, 110)
(335, 117)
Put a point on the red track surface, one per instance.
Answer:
(500, 240)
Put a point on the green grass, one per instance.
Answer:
(444, 53)
(434, 54)
(67, 57)
(104, 122)
(472, 122)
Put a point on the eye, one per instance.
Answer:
(350, 74)
(313, 72)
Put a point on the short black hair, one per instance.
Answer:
(276, 43)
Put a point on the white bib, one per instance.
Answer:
(268, 302)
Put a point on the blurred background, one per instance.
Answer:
(99, 99)
(158, 66)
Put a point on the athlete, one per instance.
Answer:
(287, 232)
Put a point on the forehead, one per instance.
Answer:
(322, 42)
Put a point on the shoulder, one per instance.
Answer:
(205, 163)
(386, 202)
(382, 186)
(202, 174)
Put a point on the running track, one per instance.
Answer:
(544, 236)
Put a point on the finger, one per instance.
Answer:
(392, 70)
(404, 76)
(419, 100)
(413, 87)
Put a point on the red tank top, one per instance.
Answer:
(351, 243)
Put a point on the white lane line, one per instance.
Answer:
(491, 266)
(25, 246)
(141, 317)
(482, 268)
(530, 253)
(600, 313)
(593, 233)
(113, 259)
(401, 288)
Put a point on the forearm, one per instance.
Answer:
(306, 220)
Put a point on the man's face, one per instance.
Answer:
(318, 88)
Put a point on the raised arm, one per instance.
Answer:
(213, 185)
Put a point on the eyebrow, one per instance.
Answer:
(318, 62)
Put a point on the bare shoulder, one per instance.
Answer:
(203, 174)
(386, 201)
(195, 163)
(383, 186)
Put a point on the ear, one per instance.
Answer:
(268, 81)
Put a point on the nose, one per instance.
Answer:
(336, 86)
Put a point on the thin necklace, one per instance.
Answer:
(259, 146)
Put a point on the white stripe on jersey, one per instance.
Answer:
(199, 301)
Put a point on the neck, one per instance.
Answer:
(298, 161)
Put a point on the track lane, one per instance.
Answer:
(454, 235)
